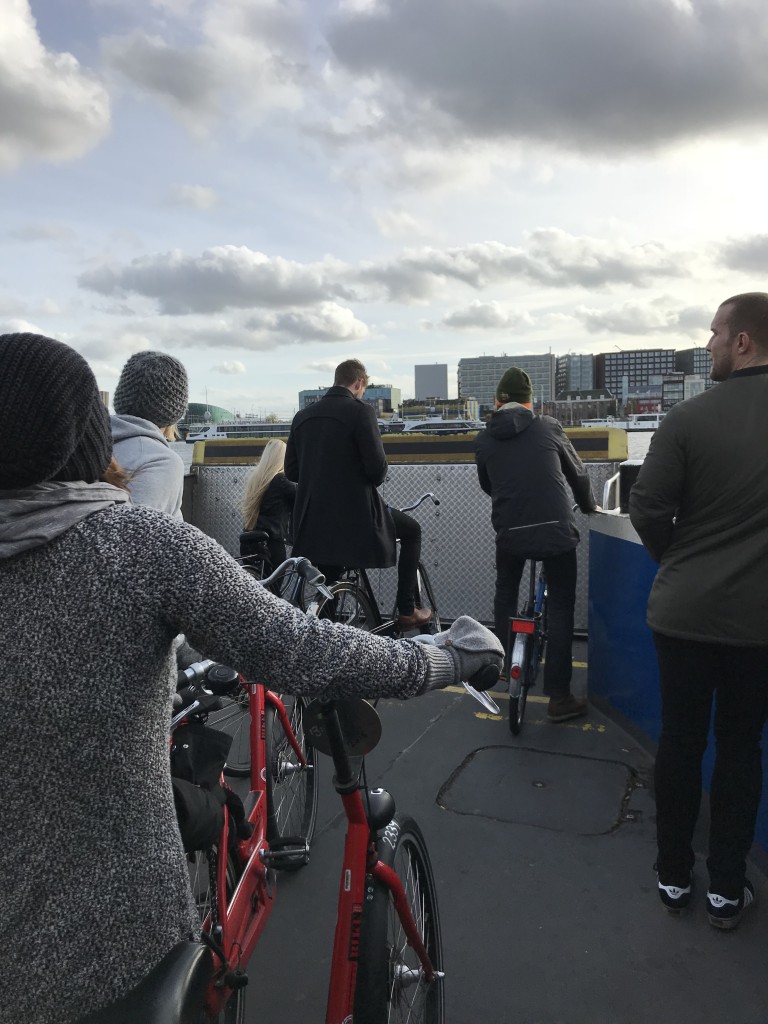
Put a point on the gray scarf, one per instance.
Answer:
(35, 515)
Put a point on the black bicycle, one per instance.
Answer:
(526, 642)
(353, 601)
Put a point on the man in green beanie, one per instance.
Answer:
(525, 462)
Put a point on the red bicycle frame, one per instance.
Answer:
(243, 915)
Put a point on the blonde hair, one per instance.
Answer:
(170, 433)
(270, 464)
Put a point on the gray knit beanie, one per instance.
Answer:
(514, 386)
(152, 386)
(53, 423)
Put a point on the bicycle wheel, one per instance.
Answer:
(200, 881)
(518, 688)
(425, 598)
(291, 789)
(390, 985)
(235, 718)
(350, 606)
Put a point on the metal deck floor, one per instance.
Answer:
(543, 848)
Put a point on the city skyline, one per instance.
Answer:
(264, 190)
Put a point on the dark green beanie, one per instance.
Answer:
(514, 386)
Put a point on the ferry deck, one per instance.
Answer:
(542, 844)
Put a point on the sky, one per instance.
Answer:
(264, 188)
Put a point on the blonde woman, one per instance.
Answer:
(268, 503)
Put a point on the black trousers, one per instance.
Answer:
(408, 532)
(692, 674)
(561, 571)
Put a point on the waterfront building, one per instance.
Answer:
(479, 375)
(447, 408)
(574, 372)
(571, 407)
(642, 368)
(431, 381)
(695, 362)
(383, 397)
(201, 414)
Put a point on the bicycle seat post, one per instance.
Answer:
(347, 768)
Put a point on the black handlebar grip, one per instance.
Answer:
(485, 678)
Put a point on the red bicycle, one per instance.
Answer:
(387, 963)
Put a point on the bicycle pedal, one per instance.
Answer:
(287, 854)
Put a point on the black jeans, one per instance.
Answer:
(560, 571)
(691, 674)
(408, 532)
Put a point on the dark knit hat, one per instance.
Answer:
(514, 386)
(53, 423)
(152, 386)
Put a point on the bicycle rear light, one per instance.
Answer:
(522, 625)
(515, 671)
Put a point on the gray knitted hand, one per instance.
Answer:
(459, 653)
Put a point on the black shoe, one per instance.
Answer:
(726, 914)
(561, 709)
(675, 897)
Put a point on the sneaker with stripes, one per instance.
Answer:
(726, 914)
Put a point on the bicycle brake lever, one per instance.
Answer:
(482, 698)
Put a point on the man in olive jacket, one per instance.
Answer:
(340, 520)
(527, 465)
(700, 506)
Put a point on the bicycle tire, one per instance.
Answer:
(425, 598)
(234, 718)
(518, 692)
(381, 997)
(199, 878)
(292, 791)
(350, 606)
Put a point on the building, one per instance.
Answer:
(641, 367)
(448, 408)
(694, 362)
(383, 397)
(431, 381)
(574, 373)
(571, 407)
(104, 396)
(478, 377)
(672, 390)
(200, 414)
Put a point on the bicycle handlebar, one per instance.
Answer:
(302, 567)
(423, 498)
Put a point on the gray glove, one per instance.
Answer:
(460, 652)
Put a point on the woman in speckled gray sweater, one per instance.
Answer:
(93, 591)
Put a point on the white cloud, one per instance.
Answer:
(398, 223)
(326, 322)
(230, 368)
(223, 277)
(750, 254)
(50, 108)
(661, 316)
(199, 197)
(236, 59)
(487, 315)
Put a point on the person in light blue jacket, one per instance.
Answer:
(150, 399)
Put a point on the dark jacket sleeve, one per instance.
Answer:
(482, 472)
(655, 495)
(576, 474)
(370, 446)
(287, 491)
(291, 467)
